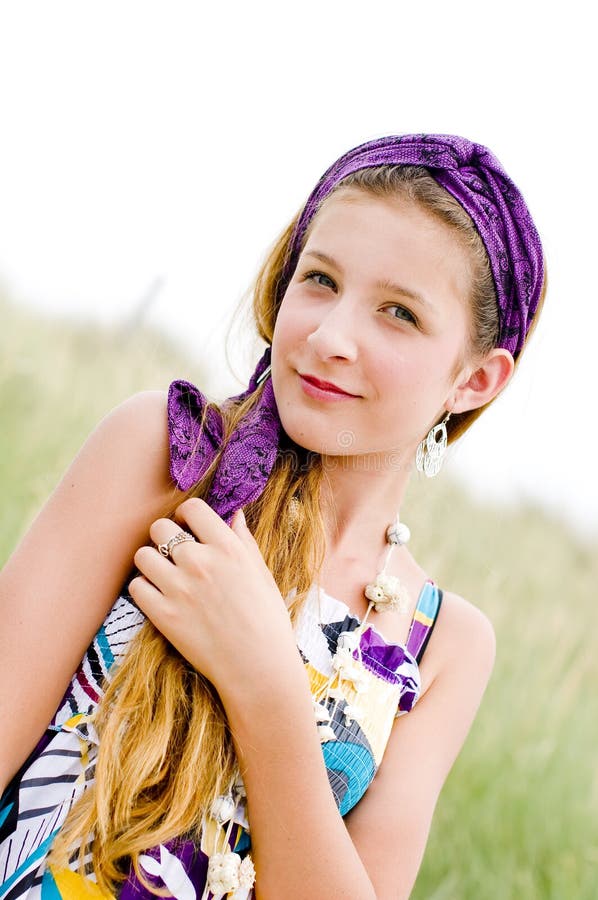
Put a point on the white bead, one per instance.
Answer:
(223, 873)
(341, 659)
(222, 809)
(246, 873)
(398, 533)
(403, 532)
(374, 592)
(320, 712)
(387, 593)
(326, 733)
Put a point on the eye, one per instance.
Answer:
(403, 314)
(320, 278)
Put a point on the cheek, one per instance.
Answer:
(287, 337)
(292, 326)
(393, 373)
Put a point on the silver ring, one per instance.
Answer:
(178, 538)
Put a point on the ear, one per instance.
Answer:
(477, 386)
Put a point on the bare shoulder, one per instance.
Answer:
(130, 445)
(462, 645)
(464, 625)
(463, 636)
(141, 416)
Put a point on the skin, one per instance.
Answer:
(342, 328)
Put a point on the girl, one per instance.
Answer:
(256, 715)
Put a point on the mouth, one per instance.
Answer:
(310, 384)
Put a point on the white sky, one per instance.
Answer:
(174, 140)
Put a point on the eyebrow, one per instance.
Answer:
(384, 285)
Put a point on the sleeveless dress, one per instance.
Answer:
(376, 682)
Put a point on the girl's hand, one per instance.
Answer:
(215, 599)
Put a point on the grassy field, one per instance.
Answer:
(518, 817)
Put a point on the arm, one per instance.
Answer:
(300, 840)
(62, 579)
(301, 845)
(422, 749)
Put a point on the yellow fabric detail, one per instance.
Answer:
(73, 886)
(74, 721)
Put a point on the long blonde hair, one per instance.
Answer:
(166, 750)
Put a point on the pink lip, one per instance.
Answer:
(314, 387)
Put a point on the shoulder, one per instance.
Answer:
(462, 645)
(127, 454)
(465, 625)
(142, 413)
(462, 633)
(136, 426)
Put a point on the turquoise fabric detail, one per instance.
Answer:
(39, 853)
(49, 889)
(356, 763)
(4, 812)
(428, 601)
(243, 842)
(104, 648)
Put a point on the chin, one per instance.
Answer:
(303, 439)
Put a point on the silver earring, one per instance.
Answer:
(264, 375)
(431, 450)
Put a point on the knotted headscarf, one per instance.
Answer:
(476, 179)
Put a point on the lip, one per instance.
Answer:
(316, 387)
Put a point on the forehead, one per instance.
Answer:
(390, 237)
(353, 208)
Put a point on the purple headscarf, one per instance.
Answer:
(476, 179)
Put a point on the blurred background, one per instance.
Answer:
(151, 153)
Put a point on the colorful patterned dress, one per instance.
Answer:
(358, 687)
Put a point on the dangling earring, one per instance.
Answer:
(431, 450)
(264, 375)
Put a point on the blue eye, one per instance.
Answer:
(325, 281)
(407, 317)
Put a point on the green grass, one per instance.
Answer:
(517, 818)
(57, 380)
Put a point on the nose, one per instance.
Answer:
(335, 335)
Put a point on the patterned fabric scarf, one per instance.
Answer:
(471, 174)
(249, 455)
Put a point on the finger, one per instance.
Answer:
(162, 531)
(238, 520)
(155, 567)
(206, 525)
(147, 597)
(239, 527)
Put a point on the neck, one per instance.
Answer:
(358, 503)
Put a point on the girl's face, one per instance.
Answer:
(377, 307)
